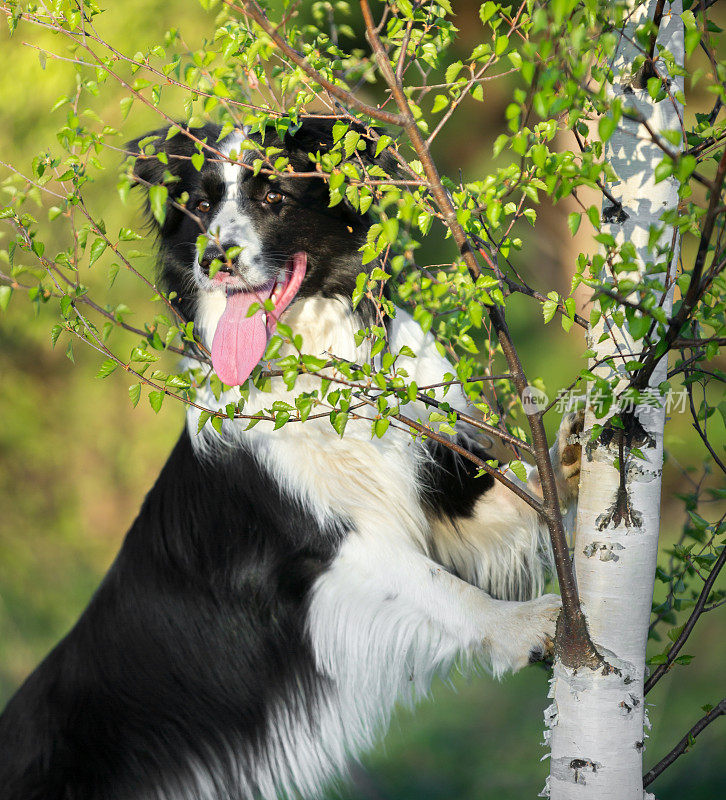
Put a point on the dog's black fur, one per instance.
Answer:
(195, 632)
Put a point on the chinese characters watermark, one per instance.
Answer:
(674, 401)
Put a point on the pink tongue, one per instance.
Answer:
(240, 341)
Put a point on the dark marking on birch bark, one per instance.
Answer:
(574, 770)
(580, 765)
(622, 509)
(620, 512)
(620, 441)
(627, 706)
(631, 434)
(614, 214)
(605, 551)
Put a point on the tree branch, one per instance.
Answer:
(688, 627)
(696, 287)
(252, 9)
(684, 744)
(577, 641)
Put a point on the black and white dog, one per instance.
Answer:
(279, 591)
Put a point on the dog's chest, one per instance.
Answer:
(370, 486)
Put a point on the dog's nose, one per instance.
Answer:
(213, 251)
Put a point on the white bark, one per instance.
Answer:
(596, 720)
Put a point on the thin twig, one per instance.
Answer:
(688, 627)
(252, 9)
(685, 743)
(696, 287)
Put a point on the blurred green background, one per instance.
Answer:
(76, 459)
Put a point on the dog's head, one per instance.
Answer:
(268, 238)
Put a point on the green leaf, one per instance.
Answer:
(203, 417)
(97, 249)
(440, 103)
(689, 20)
(693, 37)
(487, 11)
(549, 309)
(155, 400)
(177, 382)
(654, 86)
(573, 221)
(476, 313)
(380, 426)
(638, 326)
(198, 161)
(350, 142)
(594, 216)
(135, 394)
(157, 200)
(685, 167)
(382, 143)
(663, 170)
(304, 406)
(5, 295)
(339, 128)
(453, 70)
(108, 366)
(281, 418)
(424, 318)
(139, 354)
(339, 419)
(125, 103)
(127, 235)
(390, 229)
(606, 128)
(519, 470)
(313, 363)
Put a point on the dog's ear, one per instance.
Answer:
(315, 134)
(164, 157)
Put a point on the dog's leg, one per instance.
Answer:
(503, 546)
(565, 454)
(374, 598)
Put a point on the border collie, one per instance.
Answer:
(279, 591)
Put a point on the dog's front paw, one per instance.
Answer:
(527, 634)
(567, 455)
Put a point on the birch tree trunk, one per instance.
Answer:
(597, 717)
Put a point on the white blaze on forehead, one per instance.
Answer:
(232, 225)
(231, 172)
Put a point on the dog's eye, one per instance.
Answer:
(273, 198)
(203, 206)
